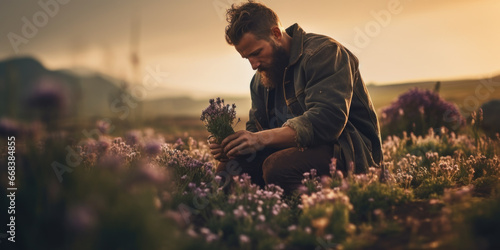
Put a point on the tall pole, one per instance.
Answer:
(135, 62)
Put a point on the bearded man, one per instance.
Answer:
(309, 104)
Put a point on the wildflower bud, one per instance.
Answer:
(326, 181)
(218, 179)
(244, 239)
(152, 148)
(339, 174)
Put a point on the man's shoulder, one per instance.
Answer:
(314, 42)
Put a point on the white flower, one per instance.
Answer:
(244, 239)
(218, 212)
(205, 230)
(217, 178)
(211, 237)
(192, 233)
(262, 218)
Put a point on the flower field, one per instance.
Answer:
(139, 191)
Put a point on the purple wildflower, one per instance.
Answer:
(219, 118)
(149, 173)
(49, 96)
(133, 137)
(152, 148)
(179, 143)
(418, 110)
(112, 162)
(302, 189)
(103, 144)
(9, 127)
(103, 126)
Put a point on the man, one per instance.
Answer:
(309, 104)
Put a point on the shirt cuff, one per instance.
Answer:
(304, 131)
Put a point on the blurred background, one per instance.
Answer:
(158, 62)
(104, 99)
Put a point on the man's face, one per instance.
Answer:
(267, 57)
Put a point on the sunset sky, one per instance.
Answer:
(395, 40)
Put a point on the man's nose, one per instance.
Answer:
(254, 62)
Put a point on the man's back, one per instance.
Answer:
(328, 99)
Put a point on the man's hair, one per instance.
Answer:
(252, 17)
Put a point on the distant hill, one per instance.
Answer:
(22, 79)
(94, 95)
(88, 95)
(467, 94)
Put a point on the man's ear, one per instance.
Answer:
(276, 33)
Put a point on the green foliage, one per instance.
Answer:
(487, 185)
(140, 192)
(366, 198)
(99, 209)
(431, 187)
(475, 221)
(327, 213)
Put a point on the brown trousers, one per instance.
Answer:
(284, 167)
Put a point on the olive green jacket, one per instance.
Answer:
(328, 100)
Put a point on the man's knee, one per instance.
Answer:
(273, 167)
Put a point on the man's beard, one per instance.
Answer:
(273, 75)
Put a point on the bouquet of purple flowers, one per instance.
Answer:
(219, 118)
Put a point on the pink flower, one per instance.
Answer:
(133, 137)
(103, 126)
(177, 217)
(326, 181)
(9, 127)
(244, 239)
(149, 173)
(80, 218)
(112, 162)
(333, 165)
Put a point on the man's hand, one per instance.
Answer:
(216, 149)
(241, 143)
(244, 142)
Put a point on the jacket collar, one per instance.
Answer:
(296, 50)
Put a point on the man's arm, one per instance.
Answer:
(245, 142)
(328, 93)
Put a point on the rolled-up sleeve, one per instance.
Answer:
(328, 94)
